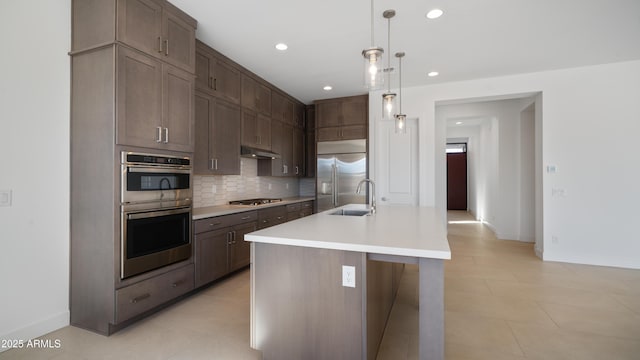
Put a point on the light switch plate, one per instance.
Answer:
(5, 197)
(348, 276)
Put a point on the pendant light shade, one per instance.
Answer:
(373, 67)
(401, 119)
(388, 98)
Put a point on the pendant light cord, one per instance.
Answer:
(389, 55)
(400, 82)
(372, 42)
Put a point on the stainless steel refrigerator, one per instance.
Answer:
(341, 166)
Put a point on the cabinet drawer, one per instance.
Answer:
(272, 216)
(294, 207)
(145, 295)
(306, 212)
(307, 205)
(219, 222)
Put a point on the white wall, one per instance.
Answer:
(34, 143)
(586, 116)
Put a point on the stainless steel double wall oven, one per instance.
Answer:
(156, 201)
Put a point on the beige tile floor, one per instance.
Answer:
(501, 302)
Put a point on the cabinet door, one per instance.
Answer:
(287, 150)
(240, 250)
(226, 81)
(277, 106)
(354, 111)
(298, 115)
(249, 128)
(178, 98)
(204, 66)
(179, 41)
(310, 143)
(224, 138)
(329, 133)
(264, 132)
(298, 152)
(287, 111)
(328, 114)
(273, 167)
(263, 99)
(203, 113)
(140, 24)
(211, 260)
(139, 99)
(248, 97)
(353, 132)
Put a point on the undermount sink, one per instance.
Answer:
(351, 212)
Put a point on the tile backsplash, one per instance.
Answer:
(220, 189)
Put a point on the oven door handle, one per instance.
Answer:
(157, 169)
(157, 213)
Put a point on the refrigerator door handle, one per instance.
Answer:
(335, 186)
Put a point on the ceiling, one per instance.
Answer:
(473, 39)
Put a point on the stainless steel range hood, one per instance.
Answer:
(253, 153)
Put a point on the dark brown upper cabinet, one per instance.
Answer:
(342, 118)
(281, 108)
(155, 103)
(159, 29)
(217, 149)
(255, 95)
(256, 130)
(216, 74)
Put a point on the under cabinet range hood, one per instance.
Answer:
(254, 153)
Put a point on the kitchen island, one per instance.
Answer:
(299, 306)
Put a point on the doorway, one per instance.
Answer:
(457, 176)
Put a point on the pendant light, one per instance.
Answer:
(372, 62)
(401, 119)
(388, 98)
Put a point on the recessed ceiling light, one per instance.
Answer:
(327, 88)
(434, 14)
(458, 122)
(433, 73)
(281, 46)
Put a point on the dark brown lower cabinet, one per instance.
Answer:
(220, 247)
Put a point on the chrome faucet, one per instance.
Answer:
(373, 193)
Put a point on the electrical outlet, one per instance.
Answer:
(5, 197)
(348, 276)
(287, 186)
(269, 186)
(554, 239)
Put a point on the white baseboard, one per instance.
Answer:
(38, 328)
(539, 253)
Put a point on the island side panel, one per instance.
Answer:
(300, 308)
(431, 315)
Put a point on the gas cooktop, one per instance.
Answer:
(254, 202)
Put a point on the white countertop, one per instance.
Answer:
(219, 210)
(392, 230)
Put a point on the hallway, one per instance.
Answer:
(502, 302)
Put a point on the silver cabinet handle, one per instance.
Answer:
(214, 224)
(159, 44)
(216, 164)
(159, 134)
(210, 82)
(166, 135)
(211, 164)
(166, 47)
(246, 218)
(177, 283)
(228, 238)
(215, 84)
(140, 298)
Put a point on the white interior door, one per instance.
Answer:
(397, 173)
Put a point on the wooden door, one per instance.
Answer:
(263, 99)
(329, 133)
(353, 132)
(178, 41)
(457, 181)
(140, 24)
(277, 106)
(287, 150)
(226, 81)
(240, 250)
(264, 132)
(203, 112)
(204, 66)
(328, 114)
(298, 152)
(224, 138)
(178, 117)
(249, 128)
(354, 111)
(248, 92)
(139, 99)
(211, 260)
